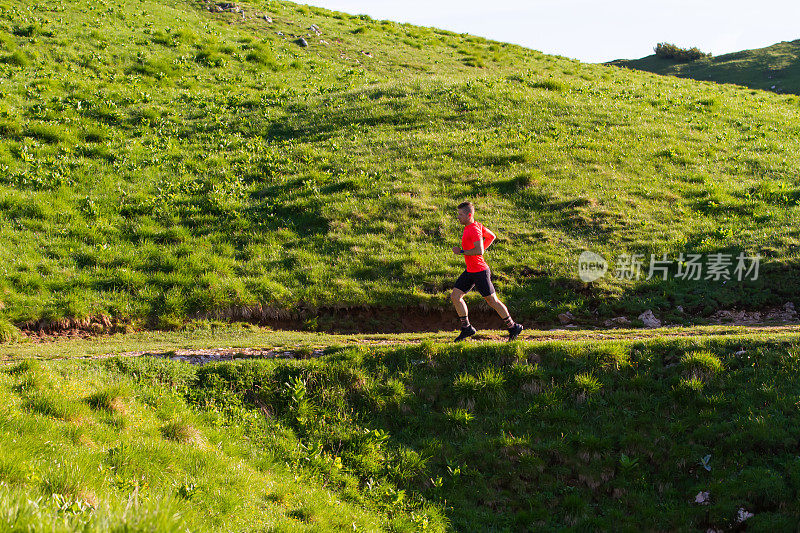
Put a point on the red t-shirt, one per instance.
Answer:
(472, 233)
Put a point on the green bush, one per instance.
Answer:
(670, 51)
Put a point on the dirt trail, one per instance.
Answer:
(317, 349)
(203, 356)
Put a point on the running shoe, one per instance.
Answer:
(514, 331)
(468, 331)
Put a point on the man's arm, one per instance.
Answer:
(477, 248)
(489, 239)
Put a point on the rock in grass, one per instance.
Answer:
(617, 321)
(566, 318)
(702, 497)
(649, 319)
(302, 42)
(228, 6)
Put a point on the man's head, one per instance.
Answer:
(466, 213)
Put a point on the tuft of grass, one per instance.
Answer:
(701, 365)
(182, 432)
(525, 180)
(48, 133)
(587, 384)
(459, 416)
(51, 404)
(113, 399)
(11, 129)
(17, 58)
(8, 332)
(693, 384)
(262, 55)
(157, 68)
(487, 386)
(210, 56)
(28, 30)
(301, 514)
(93, 135)
(614, 356)
(24, 366)
(11, 472)
(550, 85)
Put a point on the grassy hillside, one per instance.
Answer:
(595, 435)
(774, 68)
(159, 160)
(80, 455)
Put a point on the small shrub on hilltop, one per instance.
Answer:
(671, 51)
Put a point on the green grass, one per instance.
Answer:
(559, 434)
(773, 68)
(159, 162)
(157, 465)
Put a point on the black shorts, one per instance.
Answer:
(481, 280)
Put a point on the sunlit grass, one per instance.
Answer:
(167, 164)
(416, 433)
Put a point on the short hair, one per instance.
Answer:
(467, 206)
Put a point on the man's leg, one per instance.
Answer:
(501, 309)
(513, 328)
(457, 297)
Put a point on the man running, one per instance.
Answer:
(475, 240)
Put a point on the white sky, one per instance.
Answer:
(596, 30)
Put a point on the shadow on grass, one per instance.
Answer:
(556, 435)
(576, 217)
(777, 283)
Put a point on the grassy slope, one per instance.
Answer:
(159, 161)
(79, 454)
(600, 435)
(772, 68)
